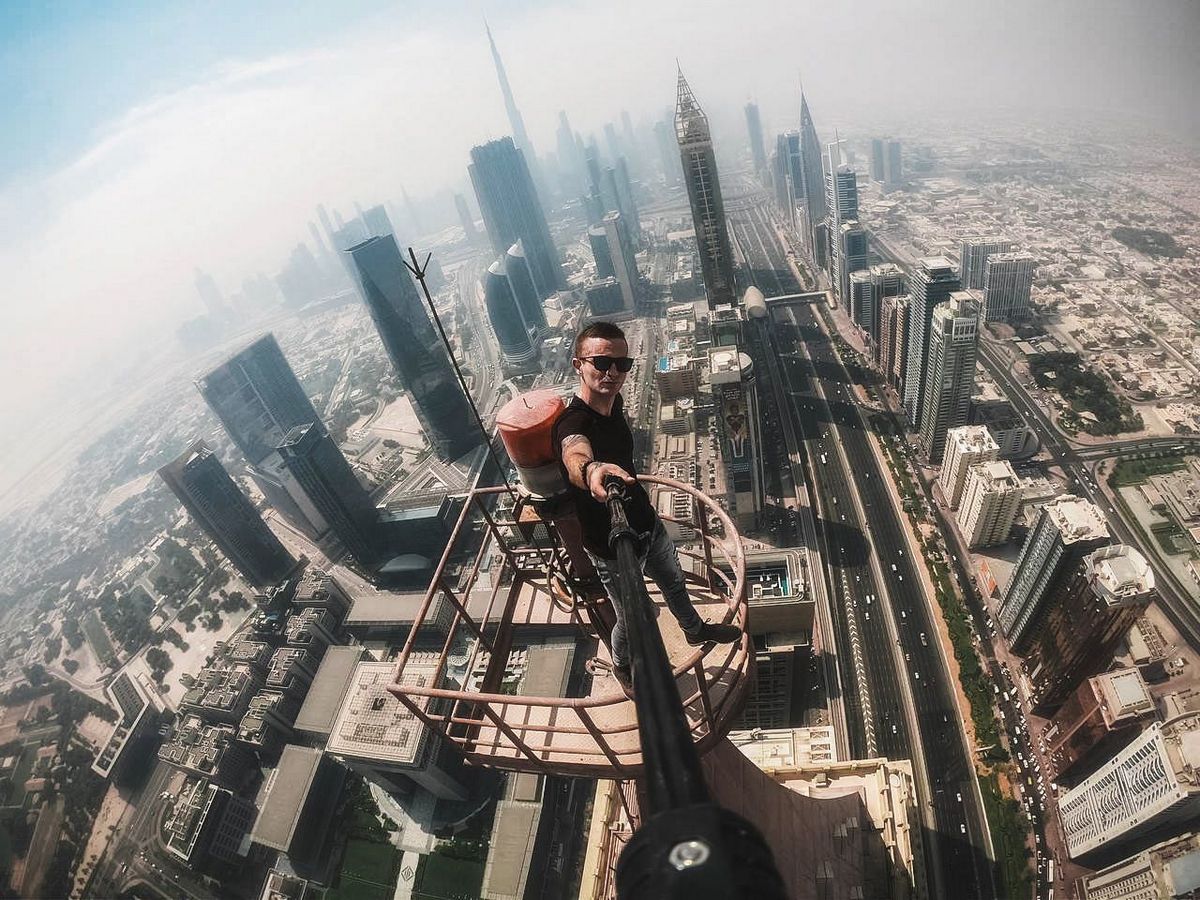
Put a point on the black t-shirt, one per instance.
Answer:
(612, 442)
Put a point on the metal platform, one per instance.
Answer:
(594, 734)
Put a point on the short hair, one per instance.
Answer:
(606, 330)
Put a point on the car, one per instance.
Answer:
(867, 616)
(924, 643)
(893, 567)
(903, 614)
(958, 796)
(916, 675)
(962, 828)
(893, 729)
(900, 577)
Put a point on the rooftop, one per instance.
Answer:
(1076, 519)
(372, 723)
(285, 795)
(1121, 574)
(325, 695)
(1125, 693)
(971, 439)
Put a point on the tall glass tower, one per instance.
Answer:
(226, 515)
(931, 284)
(414, 347)
(814, 182)
(704, 195)
(511, 212)
(512, 332)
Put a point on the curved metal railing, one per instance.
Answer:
(596, 733)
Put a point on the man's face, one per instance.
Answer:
(604, 383)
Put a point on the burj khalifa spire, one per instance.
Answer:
(519, 135)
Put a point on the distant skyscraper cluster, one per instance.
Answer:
(886, 161)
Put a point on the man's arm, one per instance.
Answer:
(576, 455)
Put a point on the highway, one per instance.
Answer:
(896, 686)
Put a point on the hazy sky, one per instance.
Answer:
(144, 140)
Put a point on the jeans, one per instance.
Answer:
(661, 563)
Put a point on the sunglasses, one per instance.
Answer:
(604, 363)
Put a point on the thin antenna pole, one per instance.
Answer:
(418, 270)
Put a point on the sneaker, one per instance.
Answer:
(624, 679)
(714, 634)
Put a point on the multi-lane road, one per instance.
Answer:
(894, 680)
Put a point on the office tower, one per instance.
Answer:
(868, 290)
(318, 240)
(754, 124)
(900, 361)
(604, 297)
(257, 398)
(632, 150)
(1168, 869)
(778, 176)
(877, 156)
(1148, 785)
(511, 212)
(861, 301)
(301, 280)
(991, 499)
(732, 378)
(466, 220)
(326, 225)
(814, 183)
(516, 267)
(505, 315)
(417, 354)
(1084, 621)
(1007, 282)
(973, 255)
(620, 251)
(893, 311)
(704, 195)
(226, 515)
(210, 294)
(609, 196)
(668, 153)
(933, 281)
(893, 170)
(950, 373)
(570, 162)
(1096, 722)
(1067, 528)
(790, 193)
(598, 238)
(627, 204)
(414, 217)
(377, 223)
(338, 221)
(851, 256)
(321, 476)
(520, 138)
(966, 445)
(841, 199)
(611, 139)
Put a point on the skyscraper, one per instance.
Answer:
(628, 204)
(973, 255)
(516, 267)
(1095, 723)
(668, 153)
(1081, 625)
(1168, 869)
(892, 313)
(511, 211)
(893, 171)
(226, 515)
(1066, 529)
(516, 122)
(210, 294)
(1007, 282)
(877, 160)
(841, 201)
(851, 257)
(754, 124)
(620, 252)
(569, 160)
(512, 333)
(376, 221)
(950, 373)
(412, 344)
(814, 183)
(990, 501)
(731, 376)
(632, 150)
(598, 238)
(966, 446)
(465, 219)
(704, 195)
(322, 477)
(789, 190)
(933, 281)
(1150, 784)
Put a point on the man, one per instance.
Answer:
(593, 440)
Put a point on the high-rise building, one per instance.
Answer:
(851, 257)
(1168, 869)
(704, 195)
(257, 398)
(1150, 784)
(520, 137)
(598, 239)
(754, 125)
(520, 275)
(1096, 723)
(627, 205)
(621, 253)
(814, 183)
(668, 152)
(893, 321)
(570, 162)
(466, 220)
(632, 150)
(211, 295)
(931, 283)
(990, 501)
(301, 280)
(966, 445)
(877, 157)
(1082, 624)
(377, 222)
(731, 376)
(777, 177)
(973, 255)
(511, 211)
(412, 344)
(512, 333)
(226, 515)
(326, 482)
(893, 171)
(1067, 528)
(950, 373)
(1007, 283)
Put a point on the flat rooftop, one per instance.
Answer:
(372, 724)
(285, 798)
(329, 686)
(1076, 519)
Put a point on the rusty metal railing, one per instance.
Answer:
(587, 734)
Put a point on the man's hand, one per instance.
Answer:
(596, 474)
